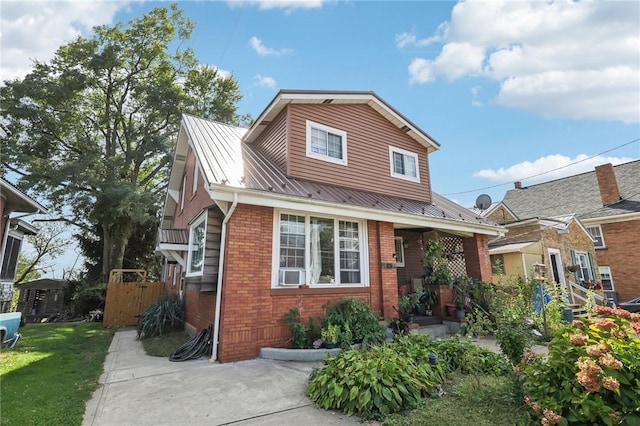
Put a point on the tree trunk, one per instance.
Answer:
(116, 238)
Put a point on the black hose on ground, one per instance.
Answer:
(194, 348)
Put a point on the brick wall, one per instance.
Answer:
(476, 255)
(622, 241)
(253, 312)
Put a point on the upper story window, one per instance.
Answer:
(319, 251)
(194, 187)
(326, 143)
(197, 239)
(596, 233)
(404, 164)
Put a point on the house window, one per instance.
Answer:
(607, 280)
(596, 233)
(10, 259)
(197, 238)
(194, 187)
(399, 254)
(318, 251)
(404, 164)
(585, 272)
(326, 143)
(184, 189)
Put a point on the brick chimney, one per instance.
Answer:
(608, 185)
(517, 185)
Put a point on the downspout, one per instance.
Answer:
(223, 249)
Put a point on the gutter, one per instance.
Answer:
(223, 249)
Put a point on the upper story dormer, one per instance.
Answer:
(346, 139)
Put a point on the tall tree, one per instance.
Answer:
(47, 244)
(92, 130)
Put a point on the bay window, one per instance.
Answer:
(319, 251)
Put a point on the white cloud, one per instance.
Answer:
(263, 50)
(405, 39)
(34, 30)
(264, 81)
(560, 59)
(559, 166)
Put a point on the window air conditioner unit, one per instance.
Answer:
(291, 277)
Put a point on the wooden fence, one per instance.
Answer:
(127, 301)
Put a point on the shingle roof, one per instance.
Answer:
(578, 194)
(226, 160)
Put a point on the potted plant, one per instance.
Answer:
(462, 288)
(330, 335)
(573, 268)
(406, 304)
(429, 299)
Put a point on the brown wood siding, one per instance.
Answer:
(369, 136)
(273, 142)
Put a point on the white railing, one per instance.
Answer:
(582, 294)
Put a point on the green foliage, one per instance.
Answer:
(431, 297)
(354, 316)
(167, 314)
(371, 383)
(298, 330)
(330, 333)
(52, 372)
(92, 130)
(435, 264)
(591, 374)
(83, 297)
(165, 345)
(397, 375)
(462, 288)
(479, 323)
(407, 303)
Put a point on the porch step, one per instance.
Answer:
(427, 320)
(436, 330)
(579, 311)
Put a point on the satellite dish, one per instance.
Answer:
(483, 201)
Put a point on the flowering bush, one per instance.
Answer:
(592, 372)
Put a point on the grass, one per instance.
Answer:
(166, 344)
(52, 372)
(471, 400)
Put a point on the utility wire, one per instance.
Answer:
(548, 171)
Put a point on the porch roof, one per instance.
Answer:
(511, 248)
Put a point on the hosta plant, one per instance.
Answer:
(591, 374)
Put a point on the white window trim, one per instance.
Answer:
(275, 263)
(590, 266)
(604, 245)
(399, 241)
(606, 270)
(183, 191)
(200, 219)
(194, 187)
(415, 156)
(338, 132)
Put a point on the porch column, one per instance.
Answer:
(388, 273)
(476, 255)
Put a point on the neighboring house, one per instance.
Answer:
(327, 195)
(12, 232)
(556, 243)
(41, 298)
(607, 202)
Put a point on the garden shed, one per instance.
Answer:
(41, 298)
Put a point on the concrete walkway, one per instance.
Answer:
(136, 389)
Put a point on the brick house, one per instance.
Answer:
(327, 195)
(12, 232)
(607, 202)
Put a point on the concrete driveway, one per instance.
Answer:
(136, 389)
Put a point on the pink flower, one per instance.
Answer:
(594, 350)
(610, 362)
(588, 366)
(577, 323)
(604, 323)
(590, 383)
(636, 327)
(622, 313)
(635, 317)
(610, 383)
(578, 339)
(552, 416)
(602, 310)
(531, 403)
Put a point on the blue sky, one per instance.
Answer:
(509, 89)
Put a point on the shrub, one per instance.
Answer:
(299, 332)
(463, 356)
(356, 321)
(592, 372)
(167, 314)
(374, 382)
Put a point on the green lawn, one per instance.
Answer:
(52, 372)
(165, 345)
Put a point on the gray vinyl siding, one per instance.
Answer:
(369, 136)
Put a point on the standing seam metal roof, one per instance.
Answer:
(226, 160)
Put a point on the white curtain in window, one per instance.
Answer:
(316, 260)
